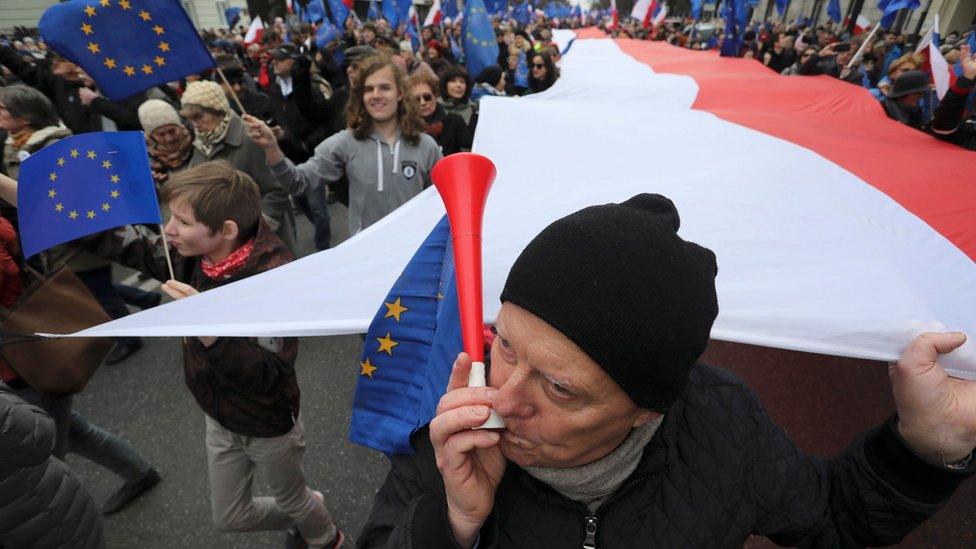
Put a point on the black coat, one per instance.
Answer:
(717, 471)
(947, 121)
(42, 502)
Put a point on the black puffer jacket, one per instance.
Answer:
(42, 503)
(717, 471)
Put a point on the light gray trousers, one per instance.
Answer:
(233, 460)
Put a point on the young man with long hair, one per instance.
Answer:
(383, 150)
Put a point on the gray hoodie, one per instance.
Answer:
(373, 192)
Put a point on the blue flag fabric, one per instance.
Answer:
(833, 10)
(522, 13)
(890, 9)
(325, 35)
(696, 9)
(732, 42)
(373, 12)
(409, 350)
(339, 13)
(233, 16)
(84, 184)
(522, 72)
(496, 7)
(391, 13)
(314, 11)
(480, 47)
(781, 6)
(126, 47)
(403, 11)
(450, 9)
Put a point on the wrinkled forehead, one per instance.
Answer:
(552, 353)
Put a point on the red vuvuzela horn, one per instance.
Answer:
(463, 181)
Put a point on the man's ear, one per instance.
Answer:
(229, 230)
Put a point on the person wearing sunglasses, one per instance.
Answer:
(448, 129)
(542, 72)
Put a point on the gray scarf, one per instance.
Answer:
(590, 484)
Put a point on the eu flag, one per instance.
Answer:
(340, 12)
(233, 16)
(84, 184)
(410, 348)
(521, 72)
(480, 47)
(127, 46)
(833, 10)
(890, 8)
(391, 13)
(450, 9)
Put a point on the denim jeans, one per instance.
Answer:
(313, 205)
(77, 435)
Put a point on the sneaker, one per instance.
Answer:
(130, 491)
(294, 539)
(121, 352)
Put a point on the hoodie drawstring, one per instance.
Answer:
(396, 157)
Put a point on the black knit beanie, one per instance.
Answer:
(620, 283)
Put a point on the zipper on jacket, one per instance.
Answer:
(589, 523)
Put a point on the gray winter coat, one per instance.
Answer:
(42, 503)
(373, 192)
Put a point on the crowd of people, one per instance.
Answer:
(890, 67)
(291, 124)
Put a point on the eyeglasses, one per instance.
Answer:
(538, 65)
(424, 98)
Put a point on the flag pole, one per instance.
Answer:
(232, 94)
(169, 262)
(864, 45)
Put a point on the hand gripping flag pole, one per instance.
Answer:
(463, 181)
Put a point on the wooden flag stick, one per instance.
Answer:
(232, 92)
(864, 45)
(169, 262)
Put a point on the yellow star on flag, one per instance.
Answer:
(86, 28)
(61, 161)
(74, 153)
(160, 60)
(115, 194)
(386, 344)
(73, 214)
(105, 206)
(145, 15)
(147, 69)
(93, 47)
(105, 3)
(106, 164)
(395, 309)
(90, 11)
(164, 46)
(129, 71)
(158, 30)
(91, 155)
(91, 214)
(58, 207)
(53, 176)
(52, 193)
(124, 4)
(366, 369)
(109, 62)
(115, 178)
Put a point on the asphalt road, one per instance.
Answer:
(144, 401)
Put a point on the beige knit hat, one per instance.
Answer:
(155, 113)
(205, 93)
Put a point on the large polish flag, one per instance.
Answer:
(837, 230)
